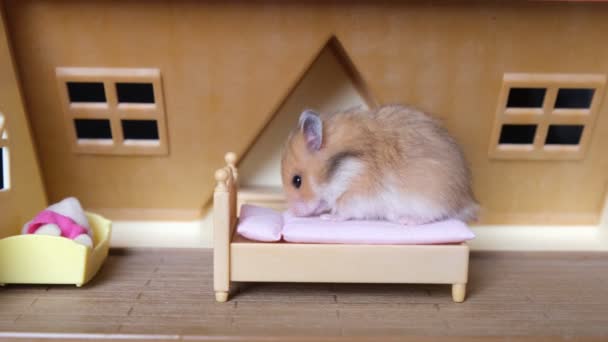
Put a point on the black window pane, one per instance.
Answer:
(140, 129)
(564, 134)
(135, 92)
(526, 97)
(93, 129)
(574, 98)
(86, 92)
(517, 134)
(2, 166)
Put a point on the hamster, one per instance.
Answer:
(392, 163)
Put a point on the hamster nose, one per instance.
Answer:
(298, 208)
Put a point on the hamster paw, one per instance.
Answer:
(84, 239)
(410, 221)
(48, 229)
(332, 217)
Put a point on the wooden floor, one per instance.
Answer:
(169, 293)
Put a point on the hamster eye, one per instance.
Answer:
(296, 181)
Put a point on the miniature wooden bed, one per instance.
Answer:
(237, 259)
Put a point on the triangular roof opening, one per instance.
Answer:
(330, 83)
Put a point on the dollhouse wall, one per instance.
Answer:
(326, 87)
(227, 68)
(21, 190)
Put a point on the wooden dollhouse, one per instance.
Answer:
(131, 107)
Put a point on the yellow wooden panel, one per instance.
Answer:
(26, 196)
(228, 66)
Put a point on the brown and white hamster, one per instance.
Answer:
(391, 163)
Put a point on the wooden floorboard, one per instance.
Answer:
(168, 295)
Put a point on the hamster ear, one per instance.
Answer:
(312, 128)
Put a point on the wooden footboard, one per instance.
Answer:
(224, 222)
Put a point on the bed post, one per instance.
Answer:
(459, 292)
(224, 219)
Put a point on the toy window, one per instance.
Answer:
(86, 92)
(546, 116)
(114, 110)
(5, 180)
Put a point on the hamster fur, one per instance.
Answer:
(391, 163)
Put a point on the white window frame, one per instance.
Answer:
(4, 146)
(546, 115)
(114, 111)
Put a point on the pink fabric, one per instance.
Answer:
(316, 230)
(264, 224)
(68, 227)
(260, 224)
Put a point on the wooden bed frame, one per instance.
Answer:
(238, 259)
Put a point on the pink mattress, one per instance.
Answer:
(263, 224)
